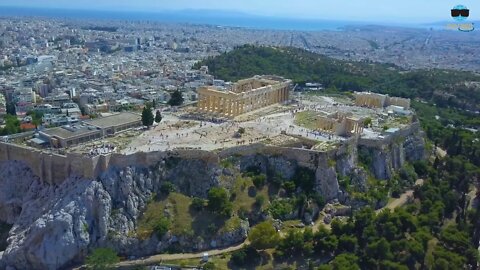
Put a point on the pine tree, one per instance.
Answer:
(158, 117)
(147, 116)
(176, 99)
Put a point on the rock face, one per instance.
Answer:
(388, 158)
(326, 183)
(57, 225)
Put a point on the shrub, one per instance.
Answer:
(218, 202)
(305, 179)
(289, 187)
(209, 266)
(198, 204)
(280, 209)
(102, 258)
(239, 257)
(260, 200)
(259, 180)
(161, 226)
(243, 212)
(245, 256)
(167, 187)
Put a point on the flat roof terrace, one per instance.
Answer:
(115, 120)
(71, 132)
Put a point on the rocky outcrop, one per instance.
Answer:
(15, 182)
(385, 159)
(56, 225)
(272, 166)
(358, 178)
(326, 183)
(414, 147)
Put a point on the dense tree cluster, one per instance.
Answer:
(12, 125)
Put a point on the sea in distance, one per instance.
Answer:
(204, 17)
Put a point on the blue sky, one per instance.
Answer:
(354, 10)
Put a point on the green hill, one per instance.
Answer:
(446, 88)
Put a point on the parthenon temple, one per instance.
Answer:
(244, 96)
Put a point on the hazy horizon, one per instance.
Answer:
(388, 11)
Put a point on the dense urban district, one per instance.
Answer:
(141, 145)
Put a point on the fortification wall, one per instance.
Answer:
(55, 168)
(379, 143)
(49, 167)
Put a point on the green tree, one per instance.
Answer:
(37, 118)
(12, 125)
(379, 250)
(218, 201)
(102, 259)
(167, 187)
(239, 257)
(259, 180)
(161, 226)
(347, 243)
(147, 116)
(209, 266)
(263, 236)
(345, 261)
(245, 256)
(293, 242)
(176, 99)
(10, 108)
(158, 117)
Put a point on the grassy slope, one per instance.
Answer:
(186, 221)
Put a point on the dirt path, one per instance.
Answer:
(404, 198)
(155, 259)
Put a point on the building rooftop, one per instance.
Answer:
(115, 120)
(70, 131)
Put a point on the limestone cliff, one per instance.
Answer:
(57, 225)
(383, 159)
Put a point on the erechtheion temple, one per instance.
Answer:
(374, 100)
(244, 96)
(341, 124)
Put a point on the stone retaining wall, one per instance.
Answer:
(54, 168)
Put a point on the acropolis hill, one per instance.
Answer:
(97, 183)
(260, 111)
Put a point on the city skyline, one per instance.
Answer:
(367, 11)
